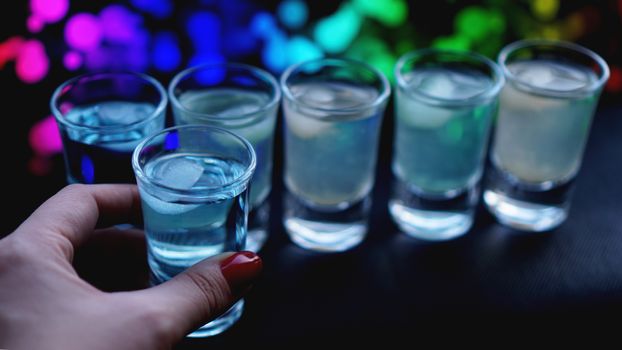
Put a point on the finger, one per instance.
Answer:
(69, 217)
(203, 292)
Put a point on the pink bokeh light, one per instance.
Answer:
(32, 62)
(72, 60)
(34, 23)
(65, 107)
(83, 32)
(9, 49)
(49, 11)
(44, 137)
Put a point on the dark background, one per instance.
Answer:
(391, 286)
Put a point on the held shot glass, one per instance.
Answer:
(193, 183)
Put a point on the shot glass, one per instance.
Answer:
(243, 99)
(545, 113)
(333, 112)
(444, 107)
(193, 183)
(101, 118)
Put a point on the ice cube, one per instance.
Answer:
(165, 207)
(122, 113)
(513, 99)
(317, 94)
(334, 95)
(179, 173)
(550, 75)
(238, 110)
(533, 73)
(567, 78)
(422, 116)
(304, 126)
(436, 83)
(466, 84)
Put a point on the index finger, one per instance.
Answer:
(69, 217)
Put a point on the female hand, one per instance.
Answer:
(44, 304)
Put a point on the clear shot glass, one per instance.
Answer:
(242, 99)
(193, 183)
(545, 113)
(101, 118)
(333, 111)
(444, 108)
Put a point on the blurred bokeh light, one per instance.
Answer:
(163, 36)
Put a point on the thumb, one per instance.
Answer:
(204, 291)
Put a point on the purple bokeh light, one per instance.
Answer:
(119, 25)
(83, 32)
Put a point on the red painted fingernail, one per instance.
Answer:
(240, 270)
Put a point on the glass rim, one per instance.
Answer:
(160, 108)
(378, 101)
(264, 75)
(498, 80)
(557, 44)
(244, 177)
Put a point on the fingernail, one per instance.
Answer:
(240, 270)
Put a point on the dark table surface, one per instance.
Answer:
(394, 286)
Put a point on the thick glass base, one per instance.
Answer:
(523, 215)
(325, 230)
(526, 207)
(430, 225)
(435, 218)
(220, 324)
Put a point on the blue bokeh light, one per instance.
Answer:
(171, 141)
(204, 30)
(274, 54)
(293, 13)
(166, 55)
(263, 25)
(88, 169)
(157, 8)
(208, 76)
(240, 42)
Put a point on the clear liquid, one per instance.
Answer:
(224, 105)
(181, 231)
(439, 150)
(100, 156)
(540, 139)
(330, 160)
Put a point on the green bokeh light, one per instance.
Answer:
(336, 32)
(472, 22)
(375, 51)
(391, 13)
(454, 42)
